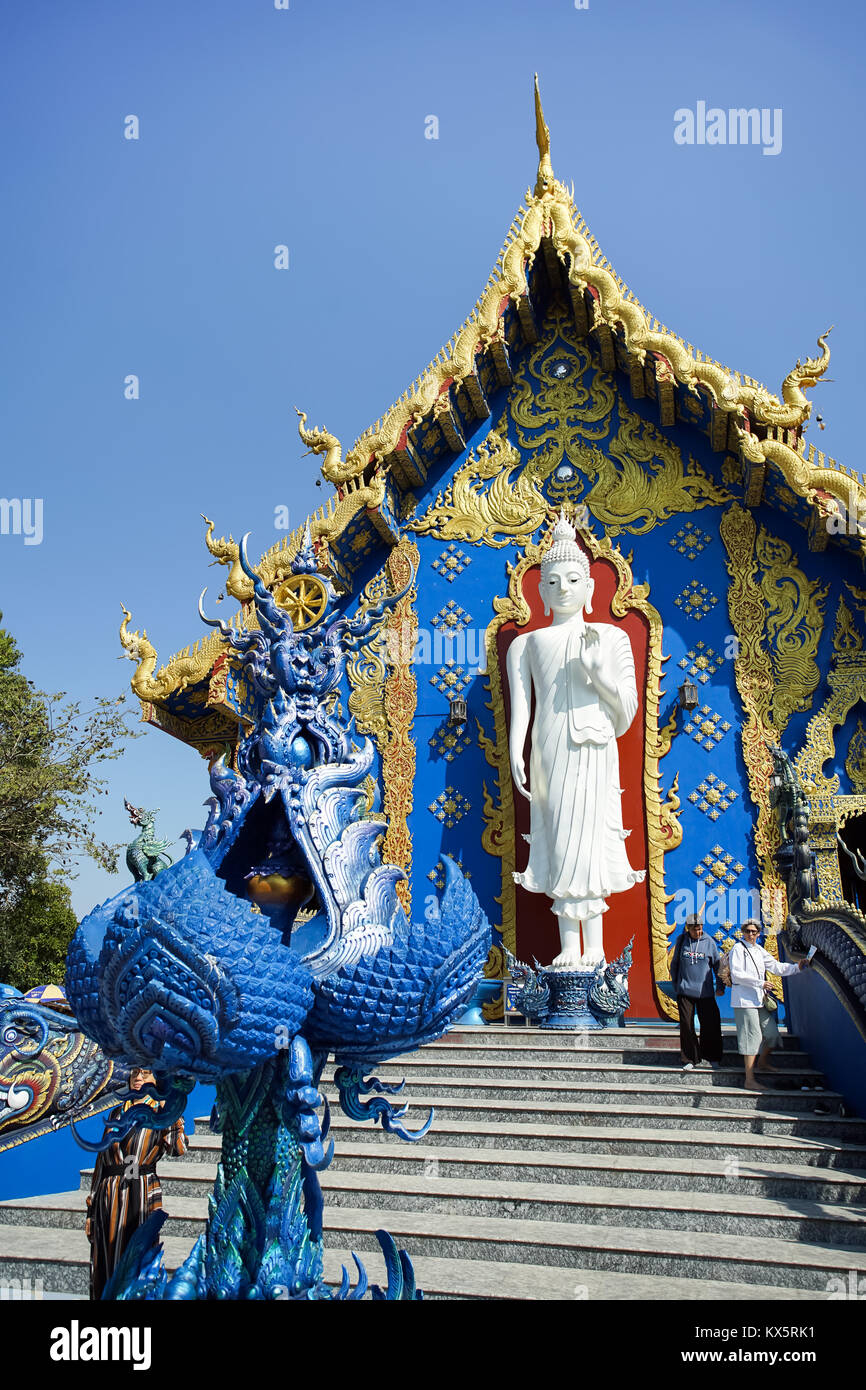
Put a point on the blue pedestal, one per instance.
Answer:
(568, 1008)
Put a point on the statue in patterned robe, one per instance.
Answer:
(126, 1189)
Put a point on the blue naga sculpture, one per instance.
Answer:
(279, 939)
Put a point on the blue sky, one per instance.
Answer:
(306, 127)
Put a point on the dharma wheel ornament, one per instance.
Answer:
(304, 597)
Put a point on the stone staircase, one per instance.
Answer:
(560, 1166)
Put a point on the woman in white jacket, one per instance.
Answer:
(757, 1031)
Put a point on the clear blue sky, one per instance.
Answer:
(306, 127)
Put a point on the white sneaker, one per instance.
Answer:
(689, 1066)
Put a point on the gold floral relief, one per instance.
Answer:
(510, 508)
(795, 621)
(828, 808)
(651, 483)
(559, 399)
(663, 830)
(855, 763)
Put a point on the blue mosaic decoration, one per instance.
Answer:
(212, 971)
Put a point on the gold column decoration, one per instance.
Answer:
(754, 676)
(400, 703)
(828, 810)
(795, 621)
(384, 697)
(365, 669)
(663, 829)
(495, 969)
(671, 828)
(855, 763)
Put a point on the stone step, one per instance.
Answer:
(491, 1280)
(633, 1037)
(506, 1057)
(580, 1067)
(778, 1181)
(61, 1258)
(623, 1249)
(573, 1203)
(64, 1255)
(694, 1089)
(602, 1140)
(751, 1114)
(764, 1220)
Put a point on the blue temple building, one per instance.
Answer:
(725, 545)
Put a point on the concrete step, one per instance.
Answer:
(635, 1036)
(559, 1166)
(566, 1204)
(505, 1057)
(523, 1200)
(684, 1211)
(753, 1114)
(65, 1256)
(495, 1279)
(617, 1139)
(778, 1181)
(621, 1249)
(583, 1067)
(61, 1258)
(693, 1089)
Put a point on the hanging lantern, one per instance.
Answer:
(457, 712)
(688, 695)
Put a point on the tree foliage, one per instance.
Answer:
(35, 932)
(50, 754)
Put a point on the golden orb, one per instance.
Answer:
(276, 890)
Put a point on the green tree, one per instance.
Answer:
(50, 752)
(35, 931)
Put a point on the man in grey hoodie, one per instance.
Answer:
(695, 976)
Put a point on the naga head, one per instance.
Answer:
(51, 1074)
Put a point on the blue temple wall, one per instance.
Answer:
(680, 555)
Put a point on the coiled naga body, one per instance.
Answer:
(278, 941)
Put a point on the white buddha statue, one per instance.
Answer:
(585, 699)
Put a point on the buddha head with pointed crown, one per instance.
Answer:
(565, 585)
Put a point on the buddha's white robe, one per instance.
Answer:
(577, 842)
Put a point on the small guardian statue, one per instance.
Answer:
(146, 854)
(583, 678)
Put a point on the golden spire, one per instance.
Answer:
(542, 139)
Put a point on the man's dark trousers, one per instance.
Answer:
(710, 1047)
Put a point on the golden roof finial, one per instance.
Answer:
(542, 139)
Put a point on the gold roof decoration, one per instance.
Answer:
(545, 181)
(768, 428)
(550, 216)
